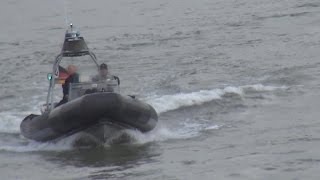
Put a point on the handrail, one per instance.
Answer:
(55, 69)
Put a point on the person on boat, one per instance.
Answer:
(72, 78)
(104, 74)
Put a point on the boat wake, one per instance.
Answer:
(160, 133)
(172, 102)
(187, 128)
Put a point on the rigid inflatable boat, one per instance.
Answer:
(97, 109)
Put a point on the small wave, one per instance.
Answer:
(172, 102)
(308, 5)
(162, 133)
(10, 122)
(212, 127)
(297, 14)
(62, 145)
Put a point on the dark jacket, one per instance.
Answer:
(74, 78)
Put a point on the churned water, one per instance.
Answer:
(235, 83)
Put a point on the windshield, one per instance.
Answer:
(86, 69)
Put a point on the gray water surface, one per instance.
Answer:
(235, 84)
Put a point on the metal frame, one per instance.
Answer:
(67, 53)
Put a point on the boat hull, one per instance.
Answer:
(87, 111)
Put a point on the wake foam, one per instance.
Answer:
(31, 146)
(160, 133)
(188, 128)
(172, 102)
(10, 122)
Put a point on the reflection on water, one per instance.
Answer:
(107, 160)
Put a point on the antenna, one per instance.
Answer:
(67, 12)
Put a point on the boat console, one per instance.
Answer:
(79, 89)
